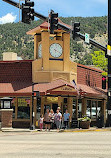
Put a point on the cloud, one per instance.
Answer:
(8, 18)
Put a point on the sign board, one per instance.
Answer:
(52, 99)
(108, 50)
(65, 88)
(87, 38)
(22, 102)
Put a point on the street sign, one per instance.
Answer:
(87, 38)
(108, 50)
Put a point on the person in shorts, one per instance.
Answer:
(60, 116)
(52, 118)
(47, 120)
(41, 122)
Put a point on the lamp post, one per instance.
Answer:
(35, 94)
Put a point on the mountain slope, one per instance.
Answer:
(13, 38)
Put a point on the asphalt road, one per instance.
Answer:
(55, 145)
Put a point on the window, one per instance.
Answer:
(88, 110)
(79, 108)
(23, 111)
(93, 109)
(74, 108)
(99, 108)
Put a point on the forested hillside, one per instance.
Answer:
(13, 38)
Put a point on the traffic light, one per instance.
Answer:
(27, 12)
(104, 82)
(76, 28)
(53, 22)
(35, 94)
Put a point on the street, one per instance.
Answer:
(53, 144)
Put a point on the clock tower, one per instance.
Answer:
(52, 56)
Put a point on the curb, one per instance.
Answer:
(61, 131)
(88, 130)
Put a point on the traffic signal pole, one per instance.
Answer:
(15, 4)
(109, 64)
(94, 43)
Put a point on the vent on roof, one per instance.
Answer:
(9, 56)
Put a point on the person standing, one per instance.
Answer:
(47, 120)
(66, 118)
(52, 118)
(57, 119)
(41, 122)
(60, 116)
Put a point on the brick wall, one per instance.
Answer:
(6, 118)
(15, 71)
(89, 76)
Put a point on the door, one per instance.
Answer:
(46, 107)
(54, 107)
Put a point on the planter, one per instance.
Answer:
(85, 124)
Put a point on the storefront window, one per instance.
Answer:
(23, 111)
(99, 108)
(93, 109)
(74, 108)
(88, 110)
(79, 108)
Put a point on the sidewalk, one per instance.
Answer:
(92, 129)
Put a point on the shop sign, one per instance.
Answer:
(65, 88)
(52, 99)
(22, 102)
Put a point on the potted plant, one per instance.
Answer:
(84, 122)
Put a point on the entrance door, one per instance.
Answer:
(54, 107)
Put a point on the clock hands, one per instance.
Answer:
(56, 51)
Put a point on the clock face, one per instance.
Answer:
(56, 50)
(40, 51)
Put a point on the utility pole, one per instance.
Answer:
(109, 63)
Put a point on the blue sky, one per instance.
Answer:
(65, 8)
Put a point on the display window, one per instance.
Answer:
(23, 108)
(94, 109)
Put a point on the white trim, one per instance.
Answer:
(6, 109)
